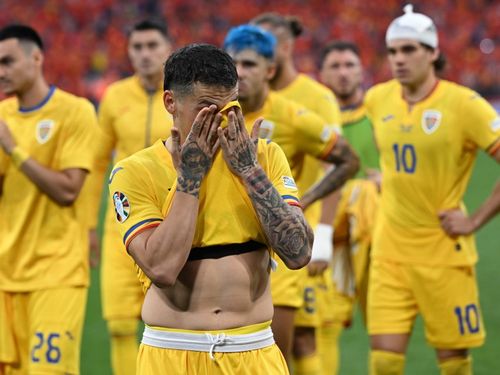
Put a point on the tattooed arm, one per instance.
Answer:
(285, 227)
(162, 252)
(346, 164)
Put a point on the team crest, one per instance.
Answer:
(44, 130)
(122, 206)
(431, 120)
(266, 129)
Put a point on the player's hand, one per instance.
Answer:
(238, 147)
(194, 157)
(6, 140)
(455, 223)
(317, 267)
(94, 249)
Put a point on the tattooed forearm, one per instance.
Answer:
(285, 227)
(194, 165)
(346, 165)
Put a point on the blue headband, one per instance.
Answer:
(250, 37)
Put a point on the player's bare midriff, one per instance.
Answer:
(211, 294)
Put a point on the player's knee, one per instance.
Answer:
(386, 363)
(122, 327)
(456, 366)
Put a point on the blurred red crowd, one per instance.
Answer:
(86, 40)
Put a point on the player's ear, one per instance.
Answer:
(168, 101)
(37, 56)
(271, 70)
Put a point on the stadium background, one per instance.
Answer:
(86, 50)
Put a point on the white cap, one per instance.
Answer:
(414, 26)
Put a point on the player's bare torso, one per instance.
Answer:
(212, 294)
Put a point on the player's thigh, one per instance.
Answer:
(13, 331)
(56, 319)
(391, 305)
(122, 295)
(449, 302)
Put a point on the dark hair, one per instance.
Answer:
(150, 24)
(291, 23)
(23, 33)
(199, 63)
(440, 62)
(339, 45)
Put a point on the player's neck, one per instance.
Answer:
(255, 103)
(417, 92)
(351, 100)
(151, 83)
(286, 76)
(34, 95)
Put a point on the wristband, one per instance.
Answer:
(322, 249)
(18, 156)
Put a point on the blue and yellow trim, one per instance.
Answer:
(138, 228)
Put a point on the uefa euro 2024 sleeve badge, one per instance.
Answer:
(122, 206)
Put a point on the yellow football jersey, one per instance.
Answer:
(142, 188)
(299, 132)
(131, 119)
(319, 99)
(427, 154)
(42, 244)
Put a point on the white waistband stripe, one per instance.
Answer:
(206, 342)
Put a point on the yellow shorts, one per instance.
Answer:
(121, 291)
(156, 354)
(287, 285)
(447, 298)
(40, 332)
(308, 315)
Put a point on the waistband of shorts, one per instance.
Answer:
(224, 341)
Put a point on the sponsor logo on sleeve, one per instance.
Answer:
(122, 206)
(289, 183)
(495, 124)
(266, 129)
(44, 130)
(431, 120)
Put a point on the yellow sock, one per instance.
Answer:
(124, 345)
(328, 347)
(309, 365)
(386, 363)
(456, 366)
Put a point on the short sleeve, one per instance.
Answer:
(328, 109)
(481, 122)
(135, 204)
(281, 176)
(312, 135)
(78, 148)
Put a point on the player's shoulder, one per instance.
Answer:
(385, 88)
(312, 84)
(65, 99)
(283, 106)
(454, 89)
(120, 87)
(8, 105)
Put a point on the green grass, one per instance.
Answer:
(420, 359)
